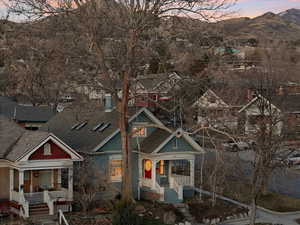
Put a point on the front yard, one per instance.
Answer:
(223, 210)
(273, 201)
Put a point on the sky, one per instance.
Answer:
(253, 8)
(247, 8)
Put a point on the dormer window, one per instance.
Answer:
(47, 149)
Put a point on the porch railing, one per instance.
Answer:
(49, 201)
(160, 190)
(146, 182)
(180, 179)
(61, 218)
(24, 210)
(177, 187)
(15, 196)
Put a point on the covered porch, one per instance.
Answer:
(51, 188)
(167, 174)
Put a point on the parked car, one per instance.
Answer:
(293, 159)
(235, 146)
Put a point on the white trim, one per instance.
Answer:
(248, 104)
(209, 92)
(115, 157)
(151, 116)
(74, 155)
(254, 100)
(180, 133)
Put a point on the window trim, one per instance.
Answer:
(111, 159)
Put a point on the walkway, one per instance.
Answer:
(262, 215)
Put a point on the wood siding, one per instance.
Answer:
(56, 153)
(4, 183)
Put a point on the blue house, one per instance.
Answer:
(163, 159)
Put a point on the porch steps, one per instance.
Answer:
(171, 196)
(34, 198)
(40, 209)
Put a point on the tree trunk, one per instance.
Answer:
(253, 212)
(126, 151)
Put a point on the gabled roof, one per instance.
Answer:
(284, 103)
(160, 137)
(153, 82)
(86, 140)
(16, 142)
(210, 100)
(256, 99)
(117, 130)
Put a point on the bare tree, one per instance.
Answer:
(114, 32)
(89, 183)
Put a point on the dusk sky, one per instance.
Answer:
(249, 8)
(252, 8)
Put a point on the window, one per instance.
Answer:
(139, 132)
(47, 149)
(115, 170)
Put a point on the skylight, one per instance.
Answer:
(75, 125)
(97, 127)
(81, 125)
(104, 127)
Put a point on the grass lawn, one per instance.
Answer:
(273, 201)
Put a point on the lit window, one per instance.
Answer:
(139, 132)
(116, 170)
(161, 167)
(47, 149)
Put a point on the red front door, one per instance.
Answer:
(148, 169)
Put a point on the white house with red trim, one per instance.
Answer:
(36, 171)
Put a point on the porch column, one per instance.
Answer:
(140, 180)
(140, 169)
(192, 172)
(170, 168)
(70, 183)
(153, 175)
(59, 178)
(11, 183)
(21, 181)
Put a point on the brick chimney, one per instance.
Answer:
(108, 103)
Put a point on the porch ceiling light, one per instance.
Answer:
(148, 165)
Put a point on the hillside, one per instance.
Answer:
(268, 26)
(292, 15)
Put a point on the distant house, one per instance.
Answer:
(261, 110)
(163, 159)
(153, 88)
(28, 116)
(218, 107)
(33, 168)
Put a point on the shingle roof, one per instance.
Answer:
(155, 139)
(34, 113)
(28, 141)
(10, 133)
(84, 139)
(15, 141)
(24, 113)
